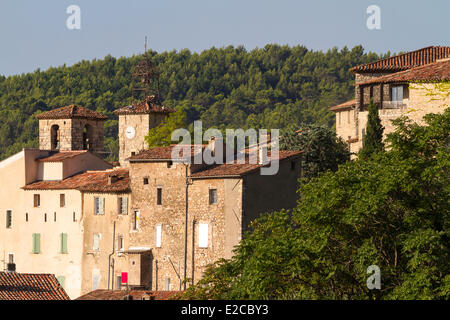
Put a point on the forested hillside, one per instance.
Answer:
(231, 87)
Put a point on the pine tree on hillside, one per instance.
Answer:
(373, 139)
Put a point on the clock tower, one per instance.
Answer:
(134, 123)
(137, 119)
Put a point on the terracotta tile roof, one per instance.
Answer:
(71, 112)
(28, 286)
(437, 71)
(102, 294)
(149, 105)
(406, 60)
(236, 169)
(89, 181)
(61, 156)
(163, 153)
(343, 106)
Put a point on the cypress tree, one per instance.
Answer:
(373, 139)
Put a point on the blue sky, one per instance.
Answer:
(33, 34)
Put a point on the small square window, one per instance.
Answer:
(212, 196)
(145, 180)
(169, 164)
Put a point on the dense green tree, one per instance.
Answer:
(373, 138)
(390, 210)
(322, 149)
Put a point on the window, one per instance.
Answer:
(45, 217)
(212, 196)
(96, 242)
(62, 200)
(54, 216)
(203, 235)
(169, 164)
(8, 219)
(74, 217)
(159, 196)
(118, 282)
(292, 165)
(26, 217)
(37, 200)
(397, 93)
(123, 205)
(158, 236)
(145, 180)
(99, 206)
(11, 258)
(63, 239)
(120, 243)
(136, 220)
(133, 153)
(36, 243)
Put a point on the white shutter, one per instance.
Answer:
(158, 236)
(203, 235)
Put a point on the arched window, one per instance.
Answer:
(87, 137)
(55, 137)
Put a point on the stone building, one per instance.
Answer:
(411, 84)
(191, 215)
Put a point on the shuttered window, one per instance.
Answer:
(136, 220)
(99, 206)
(36, 242)
(63, 238)
(123, 205)
(62, 200)
(203, 235)
(62, 281)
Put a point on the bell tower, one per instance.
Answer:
(71, 128)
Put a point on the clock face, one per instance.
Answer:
(130, 132)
